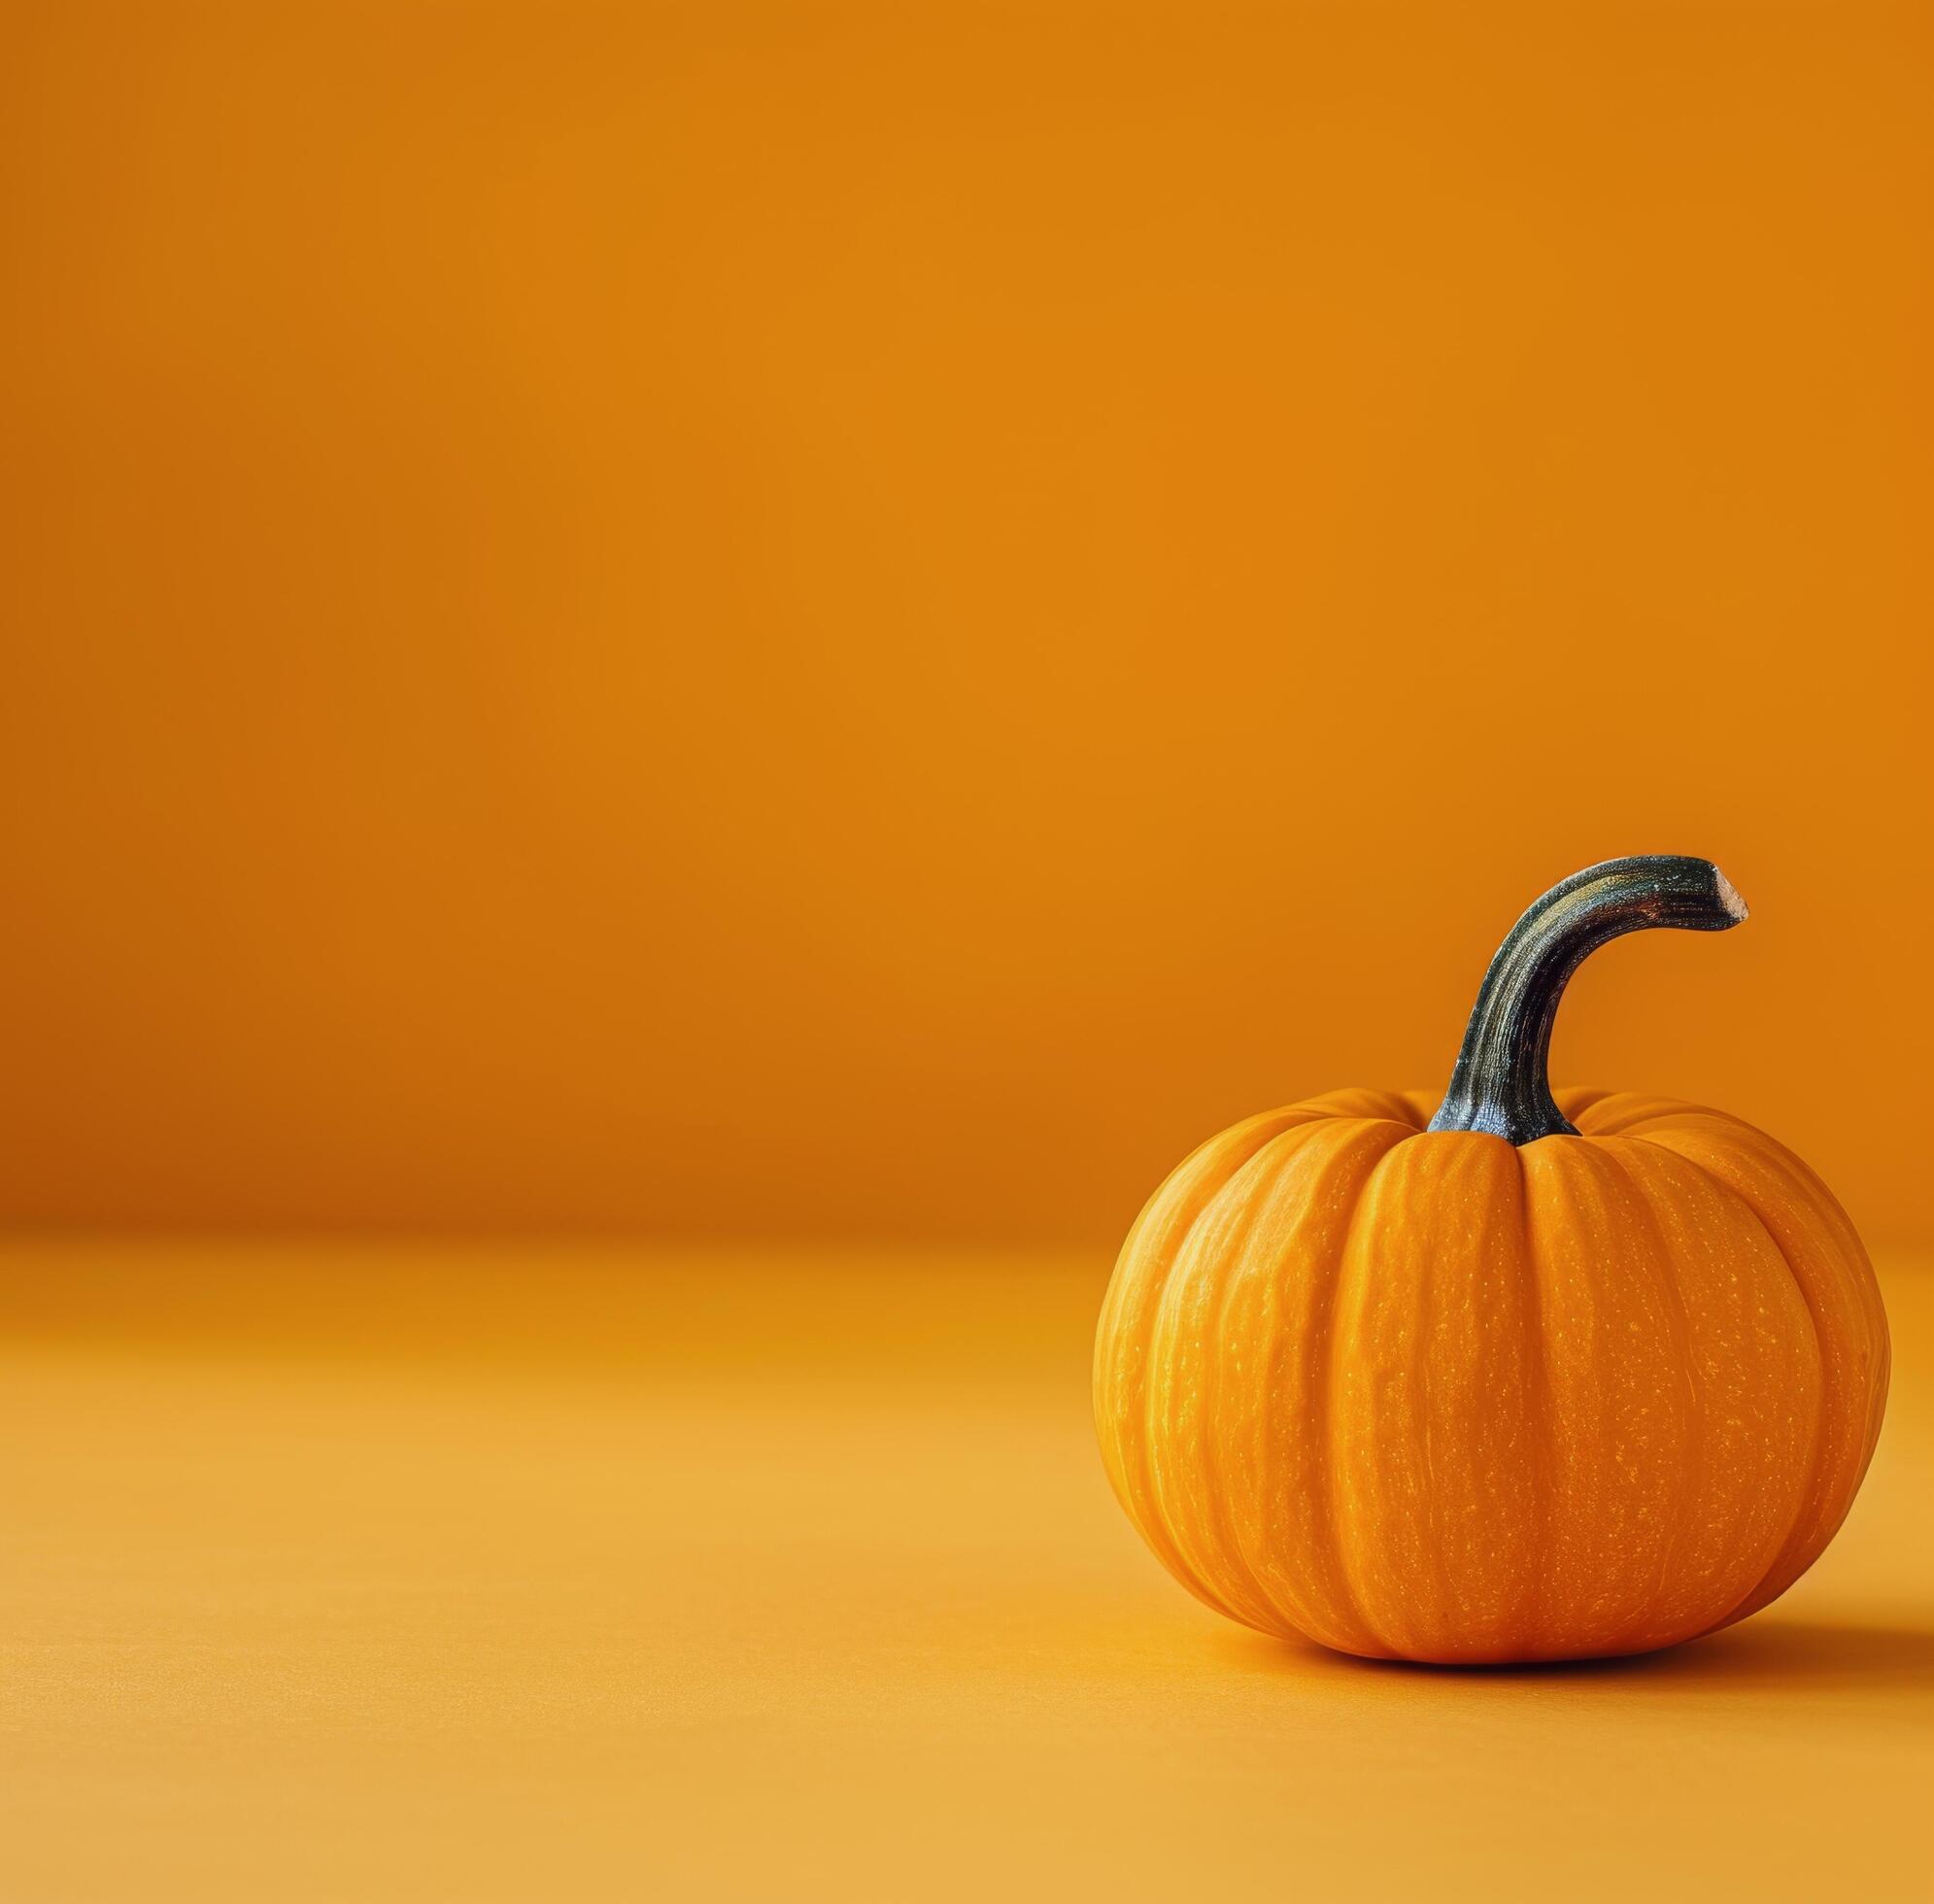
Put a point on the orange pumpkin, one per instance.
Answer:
(1532, 1378)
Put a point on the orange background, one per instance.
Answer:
(817, 637)
(870, 619)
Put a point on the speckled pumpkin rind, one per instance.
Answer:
(1433, 1395)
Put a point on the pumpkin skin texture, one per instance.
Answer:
(1433, 1395)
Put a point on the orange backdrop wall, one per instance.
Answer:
(867, 620)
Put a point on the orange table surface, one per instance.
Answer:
(570, 1573)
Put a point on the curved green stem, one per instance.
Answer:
(1500, 1083)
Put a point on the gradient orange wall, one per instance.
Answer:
(868, 620)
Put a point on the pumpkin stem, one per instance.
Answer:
(1499, 1083)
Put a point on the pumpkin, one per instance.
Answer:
(1514, 1377)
